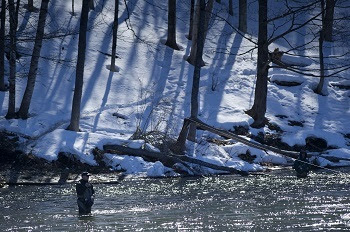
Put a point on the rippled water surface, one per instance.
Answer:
(277, 202)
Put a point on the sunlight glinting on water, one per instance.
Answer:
(218, 203)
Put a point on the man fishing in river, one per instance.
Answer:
(301, 165)
(85, 193)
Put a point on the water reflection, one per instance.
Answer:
(231, 203)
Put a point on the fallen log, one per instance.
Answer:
(168, 160)
(179, 146)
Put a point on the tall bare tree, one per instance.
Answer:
(230, 7)
(113, 67)
(2, 46)
(189, 36)
(26, 100)
(73, 7)
(11, 113)
(208, 11)
(197, 69)
(242, 24)
(91, 5)
(328, 20)
(171, 40)
(257, 112)
(75, 115)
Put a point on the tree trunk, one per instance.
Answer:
(171, 41)
(73, 7)
(208, 9)
(17, 12)
(75, 116)
(30, 5)
(242, 25)
(197, 70)
(189, 36)
(11, 113)
(2, 45)
(257, 112)
(91, 5)
(168, 160)
(328, 20)
(23, 110)
(230, 7)
(113, 68)
(320, 49)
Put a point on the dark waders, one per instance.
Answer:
(85, 193)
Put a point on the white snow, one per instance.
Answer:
(152, 91)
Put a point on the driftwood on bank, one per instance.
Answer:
(168, 159)
(179, 146)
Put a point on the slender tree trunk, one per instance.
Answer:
(320, 49)
(197, 70)
(257, 112)
(242, 25)
(319, 87)
(75, 116)
(230, 7)
(11, 113)
(113, 68)
(208, 10)
(26, 100)
(91, 5)
(328, 20)
(73, 7)
(30, 5)
(171, 41)
(17, 12)
(189, 36)
(2, 45)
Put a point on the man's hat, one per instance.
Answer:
(85, 174)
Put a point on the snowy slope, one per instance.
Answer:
(152, 89)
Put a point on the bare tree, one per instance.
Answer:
(257, 112)
(197, 69)
(171, 40)
(11, 113)
(322, 38)
(26, 100)
(17, 12)
(75, 115)
(189, 36)
(230, 7)
(2, 46)
(242, 25)
(328, 20)
(30, 4)
(112, 67)
(208, 11)
(91, 5)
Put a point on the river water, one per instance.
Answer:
(275, 202)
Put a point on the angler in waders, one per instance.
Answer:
(301, 165)
(85, 193)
